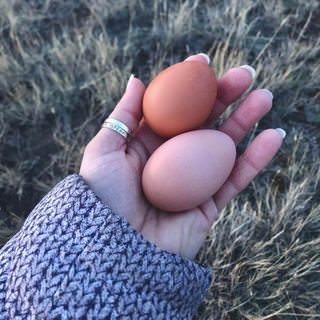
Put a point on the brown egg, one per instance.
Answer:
(188, 169)
(180, 98)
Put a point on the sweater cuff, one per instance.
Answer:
(83, 257)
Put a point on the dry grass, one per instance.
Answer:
(63, 66)
(265, 247)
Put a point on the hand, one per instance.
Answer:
(112, 167)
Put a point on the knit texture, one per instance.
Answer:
(76, 259)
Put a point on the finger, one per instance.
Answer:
(129, 111)
(201, 57)
(230, 87)
(252, 109)
(255, 158)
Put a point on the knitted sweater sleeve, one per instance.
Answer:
(76, 259)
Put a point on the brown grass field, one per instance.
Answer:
(64, 65)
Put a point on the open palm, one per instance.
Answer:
(113, 167)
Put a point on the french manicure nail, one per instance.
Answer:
(268, 92)
(130, 81)
(205, 56)
(282, 132)
(251, 70)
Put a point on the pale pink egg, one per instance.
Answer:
(188, 169)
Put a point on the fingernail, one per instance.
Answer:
(282, 132)
(205, 56)
(251, 70)
(130, 81)
(268, 92)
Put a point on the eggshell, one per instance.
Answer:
(180, 98)
(188, 169)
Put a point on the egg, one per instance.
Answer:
(180, 98)
(188, 169)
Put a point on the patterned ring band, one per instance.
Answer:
(117, 126)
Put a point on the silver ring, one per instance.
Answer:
(117, 126)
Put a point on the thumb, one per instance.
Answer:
(128, 111)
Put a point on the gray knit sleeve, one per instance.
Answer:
(76, 259)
